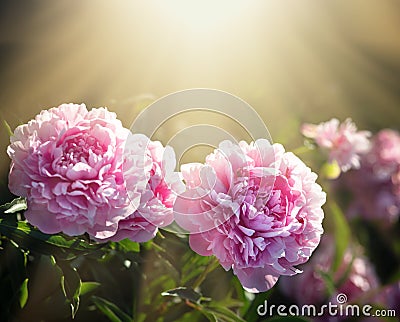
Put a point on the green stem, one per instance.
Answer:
(213, 264)
(160, 234)
(157, 247)
(8, 128)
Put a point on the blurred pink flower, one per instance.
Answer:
(255, 207)
(391, 297)
(376, 185)
(70, 165)
(384, 157)
(344, 143)
(355, 277)
(396, 184)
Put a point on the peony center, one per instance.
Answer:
(78, 149)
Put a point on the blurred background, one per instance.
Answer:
(292, 61)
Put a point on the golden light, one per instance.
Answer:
(290, 60)
(203, 17)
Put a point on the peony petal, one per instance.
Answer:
(200, 245)
(191, 174)
(81, 171)
(38, 215)
(256, 280)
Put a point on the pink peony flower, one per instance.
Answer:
(157, 200)
(391, 296)
(355, 277)
(376, 185)
(384, 157)
(70, 165)
(344, 143)
(255, 207)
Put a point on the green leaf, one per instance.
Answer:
(194, 273)
(107, 312)
(329, 282)
(16, 205)
(160, 282)
(344, 277)
(88, 287)
(71, 282)
(242, 295)
(342, 235)
(45, 288)
(209, 315)
(169, 262)
(224, 313)
(112, 311)
(184, 293)
(27, 236)
(251, 314)
(23, 293)
(71, 286)
(12, 275)
(127, 245)
(8, 128)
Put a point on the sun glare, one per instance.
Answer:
(202, 16)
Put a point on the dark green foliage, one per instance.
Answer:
(59, 278)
